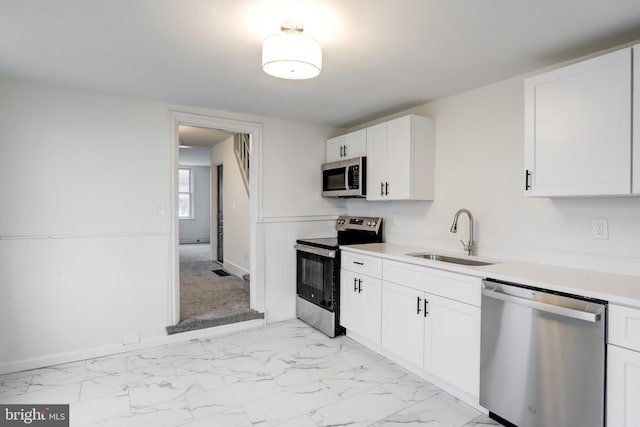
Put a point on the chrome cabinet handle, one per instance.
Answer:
(425, 307)
(359, 288)
(386, 188)
(358, 262)
(345, 151)
(418, 312)
(382, 188)
(355, 281)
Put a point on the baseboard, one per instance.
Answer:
(461, 395)
(108, 350)
(192, 240)
(234, 269)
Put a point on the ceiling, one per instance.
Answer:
(379, 56)
(192, 136)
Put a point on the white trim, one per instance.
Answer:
(234, 269)
(77, 236)
(298, 216)
(74, 356)
(417, 370)
(256, 285)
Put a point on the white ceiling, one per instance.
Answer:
(201, 137)
(380, 56)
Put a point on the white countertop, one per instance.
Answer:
(606, 286)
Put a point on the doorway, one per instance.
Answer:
(220, 215)
(219, 184)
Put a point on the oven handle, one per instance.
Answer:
(327, 253)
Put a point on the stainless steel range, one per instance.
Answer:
(318, 271)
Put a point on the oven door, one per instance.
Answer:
(316, 275)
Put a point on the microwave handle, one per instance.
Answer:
(346, 177)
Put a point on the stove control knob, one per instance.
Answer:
(373, 223)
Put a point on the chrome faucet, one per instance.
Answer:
(469, 246)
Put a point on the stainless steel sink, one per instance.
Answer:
(450, 259)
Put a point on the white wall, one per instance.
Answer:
(479, 166)
(235, 206)
(84, 235)
(198, 228)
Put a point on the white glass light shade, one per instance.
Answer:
(291, 56)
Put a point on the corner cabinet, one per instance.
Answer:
(578, 128)
(400, 159)
(347, 146)
(360, 295)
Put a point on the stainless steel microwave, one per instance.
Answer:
(345, 178)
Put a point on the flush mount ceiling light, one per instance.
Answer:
(290, 54)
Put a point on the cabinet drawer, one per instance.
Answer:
(624, 326)
(363, 264)
(458, 287)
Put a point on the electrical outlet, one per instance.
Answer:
(599, 228)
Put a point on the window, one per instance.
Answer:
(185, 193)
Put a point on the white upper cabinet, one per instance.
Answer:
(578, 122)
(347, 146)
(400, 157)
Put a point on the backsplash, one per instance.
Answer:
(479, 166)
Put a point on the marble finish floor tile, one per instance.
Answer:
(284, 374)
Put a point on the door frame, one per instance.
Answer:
(219, 210)
(256, 281)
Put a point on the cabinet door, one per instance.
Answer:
(376, 162)
(452, 342)
(403, 322)
(623, 387)
(578, 128)
(399, 158)
(355, 144)
(349, 304)
(370, 296)
(335, 148)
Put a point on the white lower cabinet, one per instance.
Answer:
(433, 332)
(452, 342)
(361, 296)
(623, 387)
(402, 325)
(623, 367)
(360, 305)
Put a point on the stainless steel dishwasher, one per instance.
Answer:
(542, 359)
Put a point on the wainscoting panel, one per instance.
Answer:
(280, 262)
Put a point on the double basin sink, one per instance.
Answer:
(449, 259)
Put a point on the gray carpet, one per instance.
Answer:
(207, 299)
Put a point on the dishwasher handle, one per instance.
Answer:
(541, 306)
